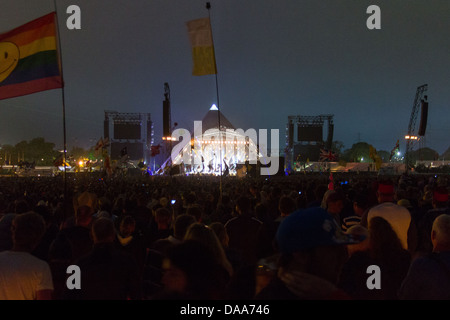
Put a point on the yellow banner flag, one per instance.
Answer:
(200, 36)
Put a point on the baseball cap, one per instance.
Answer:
(386, 188)
(309, 228)
(404, 203)
(440, 194)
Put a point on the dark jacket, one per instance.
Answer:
(243, 233)
(108, 274)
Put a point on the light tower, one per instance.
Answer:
(412, 137)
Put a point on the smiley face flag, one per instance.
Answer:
(29, 60)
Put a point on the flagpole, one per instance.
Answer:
(208, 6)
(63, 105)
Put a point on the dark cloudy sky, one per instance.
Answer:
(275, 58)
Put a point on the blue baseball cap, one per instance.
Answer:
(309, 228)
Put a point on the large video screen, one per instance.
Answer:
(127, 131)
(311, 133)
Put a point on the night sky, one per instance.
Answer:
(275, 58)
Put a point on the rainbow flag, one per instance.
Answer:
(203, 57)
(29, 60)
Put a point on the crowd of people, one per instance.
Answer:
(309, 236)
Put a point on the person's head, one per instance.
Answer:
(440, 233)
(104, 204)
(21, 206)
(60, 249)
(45, 212)
(382, 237)
(440, 197)
(404, 203)
(385, 192)
(195, 211)
(221, 233)
(358, 231)
(243, 205)
(310, 241)
(335, 203)
(200, 232)
(6, 231)
(326, 194)
(189, 199)
(191, 270)
(84, 216)
(253, 190)
(181, 224)
(286, 206)
(103, 231)
(164, 202)
(27, 231)
(204, 234)
(261, 211)
(87, 199)
(427, 197)
(360, 204)
(127, 226)
(163, 218)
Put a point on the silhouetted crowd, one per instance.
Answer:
(317, 236)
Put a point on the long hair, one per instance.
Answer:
(383, 241)
(386, 250)
(206, 279)
(202, 233)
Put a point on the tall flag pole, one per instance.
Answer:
(208, 6)
(204, 61)
(63, 104)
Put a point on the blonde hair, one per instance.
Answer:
(202, 233)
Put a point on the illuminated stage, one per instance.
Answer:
(213, 152)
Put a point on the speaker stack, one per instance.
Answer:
(423, 118)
